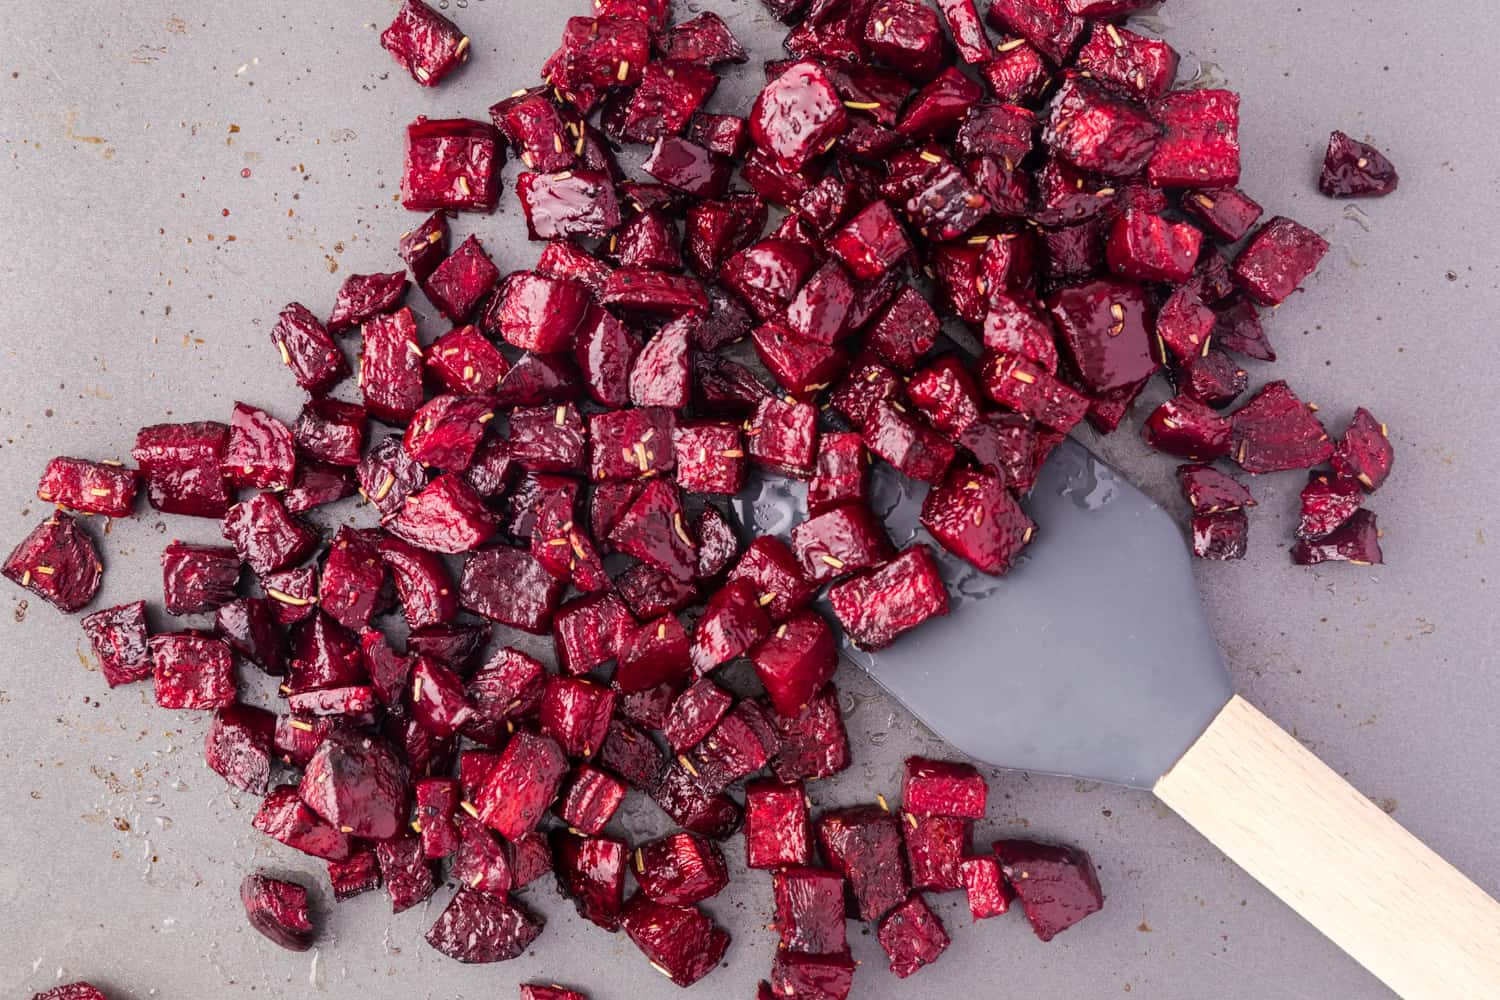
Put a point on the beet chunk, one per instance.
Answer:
(119, 638)
(522, 786)
(72, 991)
(1046, 24)
(814, 743)
(316, 361)
(680, 942)
(912, 936)
(407, 875)
(509, 586)
(1353, 169)
(1276, 431)
(89, 487)
(973, 515)
(425, 43)
(1188, 429)
(1364, 453)
(1327, 502)
(795, 661)
(1223, 535)
(451, 164)
(59, 563)
(943, 788)
(284, 817)
(653, 530)
(572, 203)
(1278, 258)
(864, 843)
(447, 516)
(265, 537)
(777, 831)
(1200, 140)
(1057, 885)
(1209, 491)
(192, 671)
(423, 584)
(704, 39)
(238, 746)
(278, 910)
(576, 712)
(1100, 133)
(478, 927)
(181, 463)
(465, 277)
(591, 872)
(988, 893)
(818, 977)
(1356, 541)
(797, 115)
(810, 910)
(359, 785)
(1227, 212)
(390, 367)
(331, 431)
(1105, 326)
(877, 606)
(680, 869)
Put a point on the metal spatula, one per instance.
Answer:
(1093, 659)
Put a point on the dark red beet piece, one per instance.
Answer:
(591, 872)
(548, 438)
(1144, 67)
(810, 910)
(973, 516)
(710, 457)
(935, 845)
(803, 368)
(198, 578)
(1276, 431)
(536, 313)
(590, 631)
(424, 247)
(364, 295)
(447, 516)
(265, 536)
(331, 431)
(575, 712)
(423, 584)
(278, 910)
(636, 290)
(89, 487)
(914, 449)
(1018, 73)
(680, 942)
(1200, 142)
(877, 606)
(606, 350)
(119, 637)
(943, 788)
(316, 485)
(59, 563)
(356, 876)
(732, 622)
(1209, 491)
(840, 541)
(816, 977)
(629, 444)
(795, 661)
(1105, 326)
(1227, 212)
(968, 34)
(359, 785)
(660, 374)
(1238, 328)
(509, 586)
(1187, 429)
(284, 817)
(988, 893)
(181, 463)
(436, 806)
(349, 589)
(1098, 132)
(912, 936)
(841, 473)
(1364, 453)
(390, 367)
(590, 799)
(465, 361)
(1148, 247)
(425, 43)
(680, 869)
(695, 713)
(777, 831)
(568, 204)
(704, 39)
(1029, 390)
(72, 991)
(509, 685)
(522, 785)
(864, 843)
(740, 745)
(462, 280)
(477, 927)
(669, 93)
(293, 593)
(939, 106)
(797, 115)
(1278, 258)
(695, 804)
(649, 240)
(481, 862)
(726, 388)
(1184, 324)
(632, 754)
(1222, 536)
(653, 530)
(535, 129)
(1353, 169)
(553, 992)
(439, 702)
(453, 164)
(814, 743)
(1057, 885)
(771, 566)
(1327, 502)
(237, 746)
(905, 331)
(306, 348)
(1356, 541)
(1214, 379)
(1046, 24)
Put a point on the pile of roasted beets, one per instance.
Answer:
(558, 461)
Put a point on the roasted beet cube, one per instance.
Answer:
(1237, 328)
(598, 53)
(436, 808)
(660, 375)
(877, 606)
(390, 367)
(797, 115)
(936, 196)
(912, 936)
(539, 378)
(451, 163)
(657, 652)
(943, 788)
(840, 541)
(425, 43)
(509, 685)
(423, 584)
(814, 743)
(914, 449)
(284, 817)
(968, 34)
(1028, 389)
(988, 893)
(90, 487)
(1222, 535)
(359, 785)
(1200, 140)
(1046, 24)
(575, 712)
(1148, 247)
(810, 910)
(652, 707)
(356, 704)
(732, 622)
(726, 388)
(1356, 541)
(774, 570)
(1004, 445)
(1145, 67)
(637, 290)
(238, 746)
(864, 843)
(841, 475)
(1209, 491)
(306, 348)
(480, 862)
(324, 655)
(695, 713)
(292, 593)
(548, 438)
(553, 992)
(705, 39)
(119, 639)
(591, 872)
(331, 431)
(1353, 169)
(681, 942)
(477, 927)
(649, 240)
(535, 130)
(1057, 885)
(974, 516)
(589, 631)
(447, 516)
(653, 530)
(768, 274)
(278, 910)
(905, 34)
(536, 313)
(1017, 73)
(364, 295)
(522, 785)
(820, 311)
(680, 869)
(265, 536)
(198, 578)
(821, 977)
(718, 543)
(661, 106)
(447, 429)
(439, 702)
(710, 457)
(771, 180)
(1188, 429)
(628, 444)
(795, 661)
(1364, 453)
(651, 593)
(72, 991)
(59, 563)
(725, 135)
(947, 395)
(1275, 431)
(1105, 326)
(1327, 502)
(568, 204)
(1214, 379)
(905, 331)
(777, 832)
(261, 452)
(1227, 212)
(358, 875)
(509, 586)
(694, 803)
(424, 247)
(606, 349)
(939, 105)
(867, 383)
(181, 463)
(803, 368)
(935, 845)
(631, 753)
(1096, 131)
(590, 799)
(1184, 324)
(462, 280)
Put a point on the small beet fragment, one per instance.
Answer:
(439, 701)
(777, 831)
(1364, 453)
(694, 714)
(571, 203)
(119, 638)
(1210, 491)
(1326, 502)
(278, 910)
(89, 487)
(1057, 885)
(680, 869)
(912, 936)
(591, 872)
(423, 584)
(331, 431)
(72, 991)
(364, 295)
(1221, 536)
(1275, 431)
(1353, 169)
(653, 530)
(1356, 541)
(814, 743)
(1227, 212)
(683, 943)
(705, 39)
(425, 43)
(988, 893)
(316, 361)
(1098, 132)
(477, 927)
(1187, 429)
(436, 805)
(284, 817)
(465, 277)
(548, 438)
(265, 537)
(192, 671)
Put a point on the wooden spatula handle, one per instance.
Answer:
(1354, 873)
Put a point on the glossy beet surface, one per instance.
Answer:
(1354, 169)
(59, 563)
(278, 909)
(1057, 885)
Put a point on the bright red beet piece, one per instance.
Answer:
(1017, 73)
(89, 487)
(590, 799)
(710, 457)
(1275, 431)
(390, 370)
(439, 702)
(590, 631)
(1364, 453)
(465, 277)
(1278, 258)
(988, 893)
(553, 992)
(1356, 541)
(694, 714)
(59, 563)
(265, 536)
(509, 685)
(451, 163)
(810, 910)
(947, 395)
(181, 463)
(477, 927)
(1187, 429)
(1210, 491)
(1057, 885)
(570, 203)
(864, 843)
(914, 449)
(119, 637)
(649, 240)
(509, 586)
(770, 565)
(877, 606)
(423, 584)
(732, 622)
(425, 43)
(1200, 142)
(1019, 385)
(972, 515)
(817, 977)
(447, 516)
(278, 910)
(1098, 132)
(535, 129)
(1353, 169)
(306, 348)
(912, 936)
(803, 368)
(1227, 212)
(237, 746)
(653, 530)
(840, 541)
(1326, 502)
(797, 115)
(1148, 247)
(968, 34)
(536, 313)
(284, 817)
(841, 472)
(795, 661)
(935, 845)
(682, 942)
(1046, 24)
(1142, 66)
(704, 39)
(522, 785)
(606, 349)
(1221, 536)
(481, 862)
(292, 593)
(680, 869)
(943, 788)
(660, 374)
(364, 295)
(575, 712)
(777, 831)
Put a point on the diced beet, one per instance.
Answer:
(777, 831)
(536, 313)
(1017, 73)
(284, 817)
(816, 977)
(447, 429)
(1356, 541)
(1057, 885)
(1276, 431)
(324, 655)
(660, 374)
(265, 536)
(705, 39)
(710, 457)
(652, 707)
(638, 290)
(480, 863)
(355, 703)
(598, 53)
(589, 631)
(451, 163)
(1353, 169)
(539, 378)
(1046, 24)
(278, 910)
(331, 431)
(1327, 502)
(425, 43)
(358, 785)
(810, 910)
(590, 799)
(425, 246)
(428, 755)
(732, 622)
(509, 685)
(840, 541)
(522, 785)
(938, 106)
(1200, 142)
(1184, 326)
(867, 383)
(1144, 67)
(509, 586)
(797, 114)
(89, 487)
(1278, 258)
(632, 754)
(629, 444)
(726, 388)
(447, 516)
(695, 804)
(681, 942)
(192, 671)
(1209, 491)
(1188, 429)
(1227, 212)
(653, 530)
(864, 843)
(358, 875)
(935, 845)
(814, 743)
(1028, 389)
(423, 584)
(364, 295)
(317, 485)
(390, 367)
(803, 368)
(968, 34)
(655, 653)
(458, 284)
(548, 438)
(912, 936)
(694, 715)
(740, 745)
(1148, 247)
(237, 746)
(795, 661)
(1105, 325)
(72, 991)
(1221, 536)
(591, 872)
(119, 639)
(914, 449)
(436, 808)
(973, 515)
(1364, 453)
(680, 869)
(571, 203)
(492, 468)
(649, 240)
(934, 194)
(306, 348)
(535, 130)
(988, 893)
(181, 463)
(943, 788)
(553, 992)
(877, 606)
(768, 274)
(477, 927)
(841, 473)
(1098, 132)
(606, 349)
(575, 712)
(820, 311)
(439, 702)
(905, 331)
(1237, 328)
(59, 563)
(774, 570)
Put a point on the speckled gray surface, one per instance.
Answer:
(149, 245)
